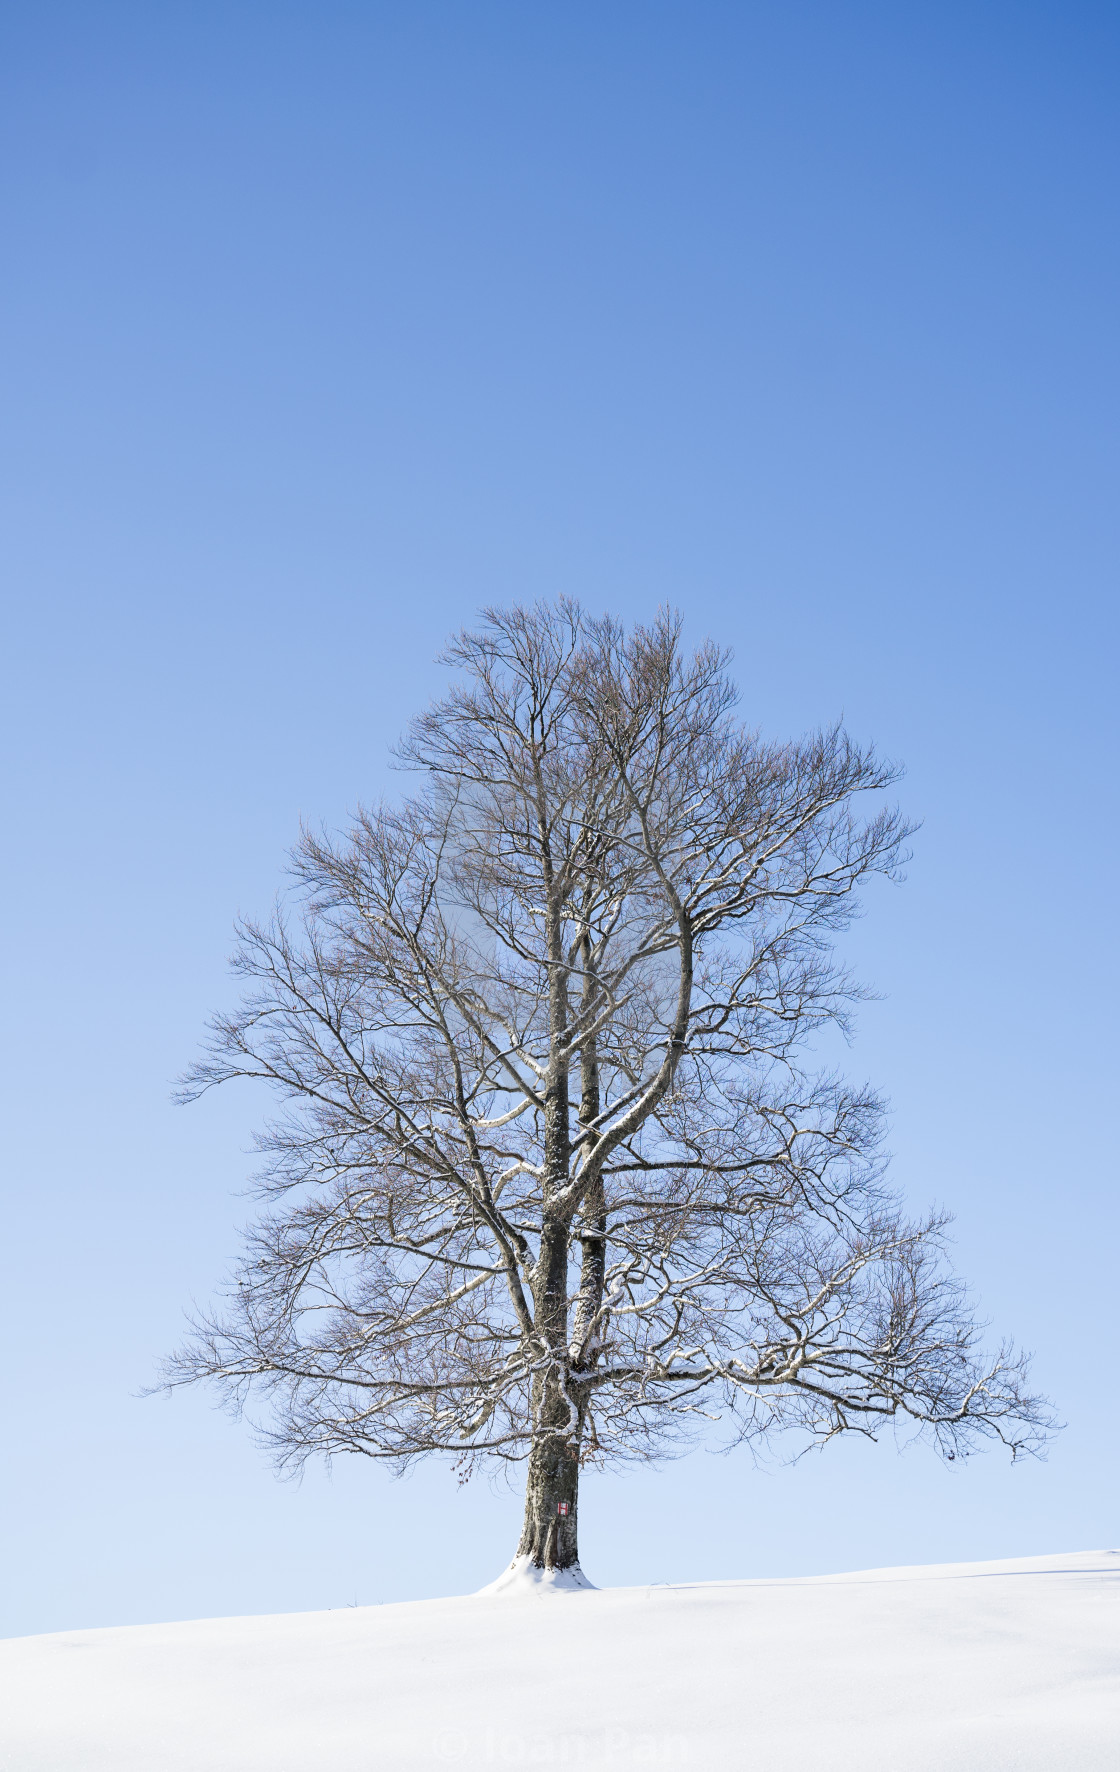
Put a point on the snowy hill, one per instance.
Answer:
(979, 1666)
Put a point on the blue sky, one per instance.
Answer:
(321, 326)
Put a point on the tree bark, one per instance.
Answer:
(549, 1536)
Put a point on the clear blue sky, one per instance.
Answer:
(325, 323)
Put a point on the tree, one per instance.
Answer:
(554, 1180)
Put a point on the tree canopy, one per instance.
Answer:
(555, 1176)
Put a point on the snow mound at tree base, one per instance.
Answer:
(523, 1579)
(983, 1667)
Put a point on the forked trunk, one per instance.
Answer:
(549, 1535)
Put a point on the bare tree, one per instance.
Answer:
(554, 1180)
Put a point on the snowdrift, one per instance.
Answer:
(980, 1666)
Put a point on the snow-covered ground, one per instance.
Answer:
(980, 1666)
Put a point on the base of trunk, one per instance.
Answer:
(549, 1534)
(524, 1576)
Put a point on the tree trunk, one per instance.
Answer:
(549, 1536)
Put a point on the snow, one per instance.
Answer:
(523, 1577)
(980, 1667)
